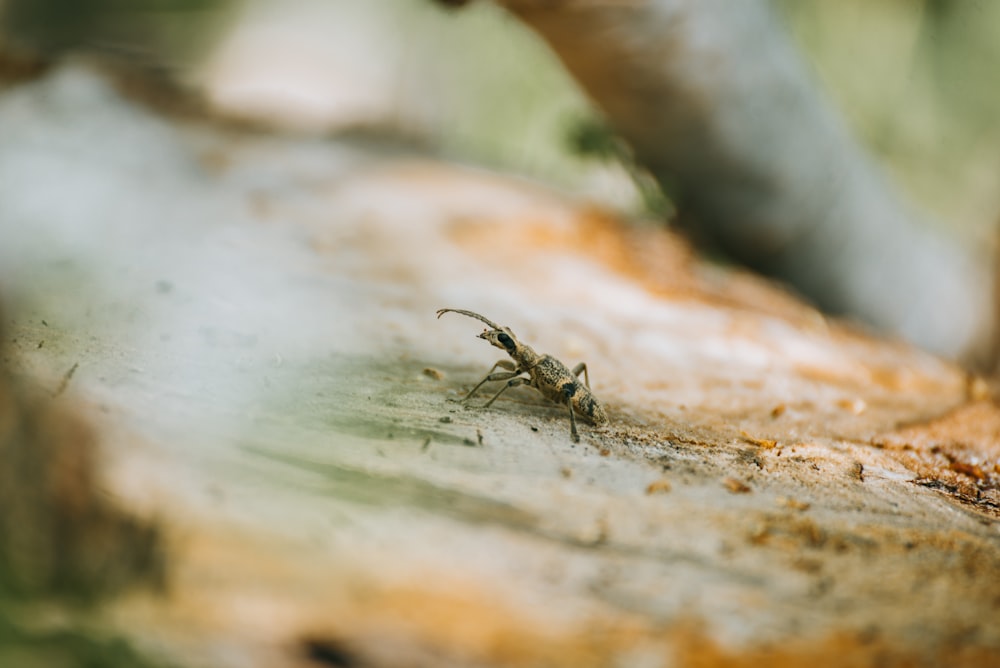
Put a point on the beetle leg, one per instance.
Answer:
(572, 422)
(582, 367)
(513, 382)
(503, 375)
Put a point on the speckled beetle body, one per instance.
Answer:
(546, 374)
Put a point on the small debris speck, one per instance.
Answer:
(792, 504)
(967, 469)
(766, 443)
(736, 486)
(534, 429)
(65, 380)
(431, 372)
(479, 437)
(856, 406)
(660, 486)
(445, 419)
(426, 444)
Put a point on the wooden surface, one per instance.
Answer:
(251, 320)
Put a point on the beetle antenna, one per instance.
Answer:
(470, 314)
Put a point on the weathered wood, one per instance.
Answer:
(253, 322)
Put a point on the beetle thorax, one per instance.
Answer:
(525, 357)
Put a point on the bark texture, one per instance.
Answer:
(252, 317)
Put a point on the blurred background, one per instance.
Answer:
(915, 80)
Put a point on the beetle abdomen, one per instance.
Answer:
(586, 404)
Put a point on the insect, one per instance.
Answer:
(545, 373)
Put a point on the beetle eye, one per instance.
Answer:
(505, 340)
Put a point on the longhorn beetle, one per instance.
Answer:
(545, 373)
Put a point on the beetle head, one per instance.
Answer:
(501, 338)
